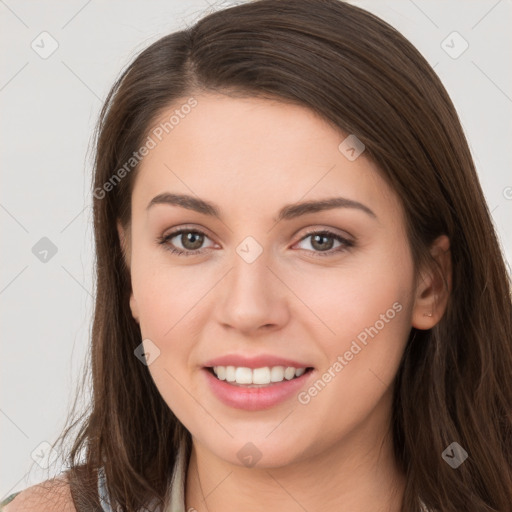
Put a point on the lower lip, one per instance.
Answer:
(255, 399)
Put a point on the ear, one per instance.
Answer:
(124, 241)
(434, 287)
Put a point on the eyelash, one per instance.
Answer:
(164, 241)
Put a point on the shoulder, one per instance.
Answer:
(50, 496)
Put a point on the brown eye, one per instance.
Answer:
(185, 242)
(191, 240)
(323, 243)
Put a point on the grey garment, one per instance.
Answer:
(177, 488)
(102, 492)
(104, 498)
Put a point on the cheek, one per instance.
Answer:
(167, 296)
(364, 310)
(169, 303)
(359, 293)
(174, 304)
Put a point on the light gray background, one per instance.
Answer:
(49, 107)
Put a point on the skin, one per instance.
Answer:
(251, 157)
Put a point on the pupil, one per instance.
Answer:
(320, 246)
(194, 240)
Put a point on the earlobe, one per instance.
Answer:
(434, 287)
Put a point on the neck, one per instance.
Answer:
(357, 474)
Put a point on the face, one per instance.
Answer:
(311, 307)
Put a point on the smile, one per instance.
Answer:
(256, 389)
(258, 376)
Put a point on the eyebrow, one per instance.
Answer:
(288, 212)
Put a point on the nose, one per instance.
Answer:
(252, 297)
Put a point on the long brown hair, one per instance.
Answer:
(361, 75)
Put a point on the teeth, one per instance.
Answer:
(289, 373)
(243, 375)
(261, 375)
(276, 374)
(230, 373)
(265, 375)
(221, 372)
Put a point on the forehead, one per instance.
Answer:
(254, 152)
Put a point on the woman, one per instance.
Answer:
(301, 301)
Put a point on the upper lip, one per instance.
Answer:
(254, 362)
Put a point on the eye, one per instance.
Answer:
(191, 241)
(323, 242)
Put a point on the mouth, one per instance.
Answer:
(241, 376)
(256, 389)
(256, 382)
